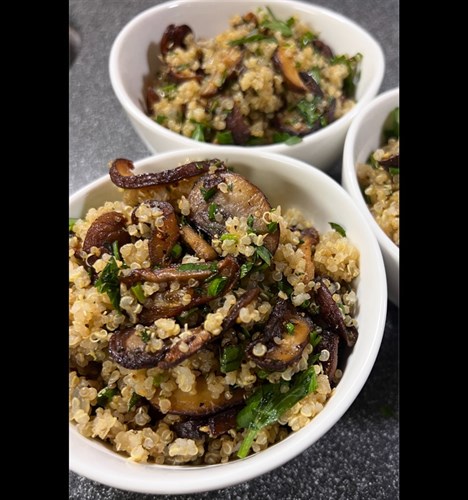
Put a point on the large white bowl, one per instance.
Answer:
(129, 66)
(364, 137)
(291, 183)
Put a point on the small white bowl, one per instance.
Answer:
(290, 183)
(362, 138)
(129, 67)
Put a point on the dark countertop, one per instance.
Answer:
(359, 457)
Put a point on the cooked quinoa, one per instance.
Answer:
(380, 184)
(261, 81)
(192, 410)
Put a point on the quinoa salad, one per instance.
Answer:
(262, 81)
(379, 179)
(205, 323)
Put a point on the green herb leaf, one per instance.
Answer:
(285, 287)
(108, 282)
(231, 358)
(133, 401)
(229, 236)
(71, 223)
(288, 139)
(198, 133)
(176, 251)
(212, 210)
(272, 227)
(262, 374)
(115, 250)
(337, 228)
(394, 171)
(254, 36)
(280, 26)
(268, 403)
(137, 290)
(160, 119)
(105, 395)
(198, 267)
(308, 110)
(264, 254)
(208, 193)
(250, 221)
(306, 39)
(160, 378)
(145, 335)
(315, 338)
(391, 127)
(290, 328)
(353, 65)
(168, 90)
(224, 137)
(245, 269)
(216, 286)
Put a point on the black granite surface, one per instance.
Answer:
(359, 457)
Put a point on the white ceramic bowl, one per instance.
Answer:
(291, 183)
(129, 67)
(364, 137)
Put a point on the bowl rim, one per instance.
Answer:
(349, 168)
(187, 479)
(145, 121)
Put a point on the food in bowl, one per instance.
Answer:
(262, 81)
(379, 179)
(204, 323)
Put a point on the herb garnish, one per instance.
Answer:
(337, 228)
(108, 282)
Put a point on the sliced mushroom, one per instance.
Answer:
(310, 83)
(230, 59)
(236, 123)
(329, 114)
(244, 300)
(323, 48)
(331, 315)
(121, 173)
(286, 66)
(201, 401)
(329, 342)
(214, 425)
(106, 229)
(310, 238)
(196, 242)
(184, 348)
(241, 199)
(174, 36)
(152, 98)
(172, 303)
(128, 349)
(170, 273)
(164, 236)
(284, 338)
(391, 161)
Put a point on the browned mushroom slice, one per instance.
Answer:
(329, 342)
(172, 303)
(284, 338)
(164, 236)
(185, 348)
(286, 66)
(242, 198)
(230, 59)
(174, 36)
(106, 229)
(310, 237)
(214, 425)
(151, 99)
(128, 349)
(202, 248)
(244, 300)
(323, 48)
(202, 402)
(331, 315)
(122, 176)
(236, 123)
(310, 83)
(329, 114)
(392, 161)
(170, 273)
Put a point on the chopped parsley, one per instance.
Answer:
(216, 286)
(105, 395)
(133, 401)
(137, 290)
(108, 282)
(337, 228)
(208, 193)
(290, 328)
(212, 211)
